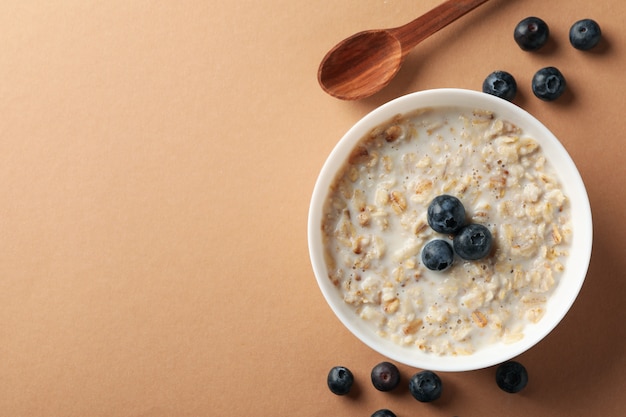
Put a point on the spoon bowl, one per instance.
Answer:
(364, 63)
(348, 73)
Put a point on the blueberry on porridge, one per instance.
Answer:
(473, 242)
(446, 214)
(511, 239)
(437, 255)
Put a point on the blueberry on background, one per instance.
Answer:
(585, 34)
(500, 84)
(548, 84)
(340, 380)
(531, 33)
(511, 377)
(437, 255)
(446, 214)
(425, 386)
(385, 376)
(473, 242)
(383, 413)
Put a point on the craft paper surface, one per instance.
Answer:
(157, 160)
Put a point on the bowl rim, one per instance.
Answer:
(576, 265)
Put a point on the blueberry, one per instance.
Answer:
(437, 255)
(500, 84)
(473, 242)
(511, 377)
(383, 413)
(446, 214)
(531, 33)
(385, 376)
(585, 34)
(340, 380)
(548, 84)
(425, 386)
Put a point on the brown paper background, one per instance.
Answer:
(157, 160)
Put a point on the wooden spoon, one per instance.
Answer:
(364, 63)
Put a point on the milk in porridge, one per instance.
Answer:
(374, 227)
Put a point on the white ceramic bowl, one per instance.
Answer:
(576, 265)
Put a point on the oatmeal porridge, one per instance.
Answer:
(375, 225)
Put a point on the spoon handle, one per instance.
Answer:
(412, 33)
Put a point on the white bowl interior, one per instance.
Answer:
(576, 264)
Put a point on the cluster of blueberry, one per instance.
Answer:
(424, 386)
(548, 83)
(446, 215)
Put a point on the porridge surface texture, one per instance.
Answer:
(374, 227)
